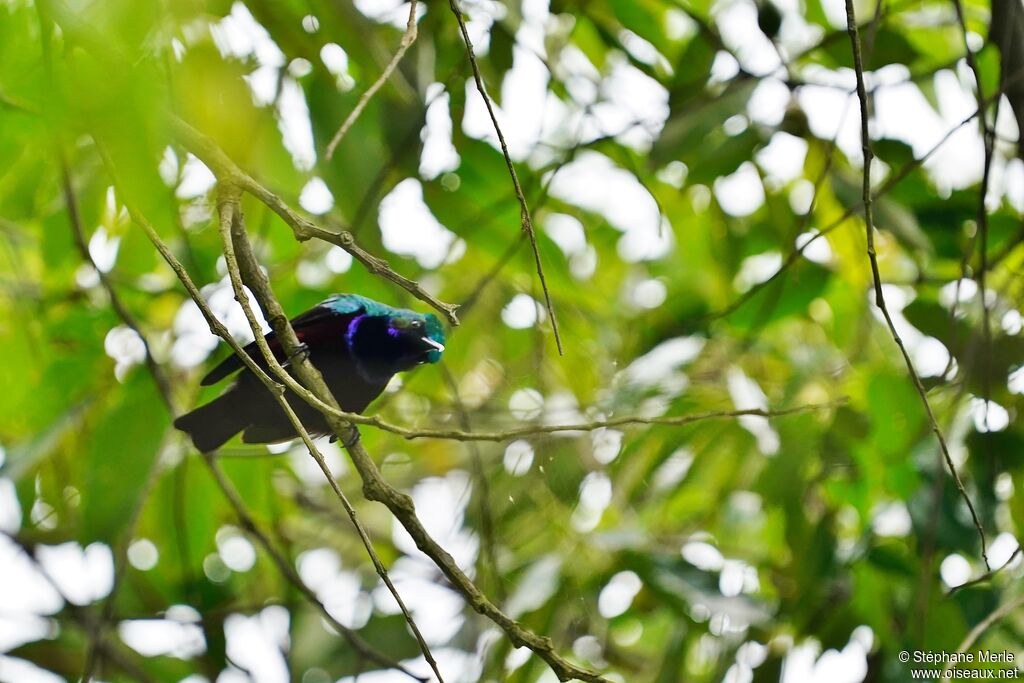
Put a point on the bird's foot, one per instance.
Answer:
(350, 440)
(301, 350)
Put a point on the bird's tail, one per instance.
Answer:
(211, 425)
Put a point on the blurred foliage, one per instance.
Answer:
(741, 541)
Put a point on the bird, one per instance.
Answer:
(358, 344)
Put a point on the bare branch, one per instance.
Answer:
(858, 62)
(227, 171)
(524, 209)
(407, 40)
(987, 575)
(1004, 610)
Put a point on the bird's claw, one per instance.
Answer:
(351, 440)
(301, 350)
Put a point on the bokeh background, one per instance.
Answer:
(678, 157)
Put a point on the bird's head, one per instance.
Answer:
(384, 342)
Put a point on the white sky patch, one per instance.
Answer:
(239, 35)
(741, 193)
(1012, 322)
(567, 232)
(595, 495)
(293, 122)
(168, 167)
(767, 104)
(196, 179)
(783, 156)
(737, 22)
(955, 570)
(523, 92)
(1015, 381)
(10, 508)
(441, 503)
(83, 575)
(521, 312)
(340, 590)
(756, 269)
(652, 368)
(538, 585)
(633, 105)
(1002, 549)
(235, 550)
(394, 12)
(338, 260)
(673, 470)
(526, 404)
(481, 16)
(142, 554)
(24, 590)
(125, 347)
(518, 458)
(103, 249)
(593, 182)
(989, 416)
(617, 595)
(439, 154)
(408, 228)
(891, 519)
(258, 642)
(958, 291)
(830, 110)
(606, 444)
(930, 355)
(815, 248)
(24, 671)
(724, 67)
(649, 293)
(335, 59)
(850, 665)
(155, 637)
(703, 556)
(747, 395)
(315, 197)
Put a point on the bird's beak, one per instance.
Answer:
(433, 345)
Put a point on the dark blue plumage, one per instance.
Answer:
(358, 344)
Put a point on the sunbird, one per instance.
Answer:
(358, 344)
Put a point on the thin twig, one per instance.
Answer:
(1000, 612)
(851, 25)
(407, 40)
(987, 575)
(524, 209)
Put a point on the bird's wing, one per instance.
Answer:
(316, 326)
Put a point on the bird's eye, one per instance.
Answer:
(416, 325)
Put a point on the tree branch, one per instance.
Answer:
(407, 40)
(227, 171)
(524, 209)
(858, 62)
